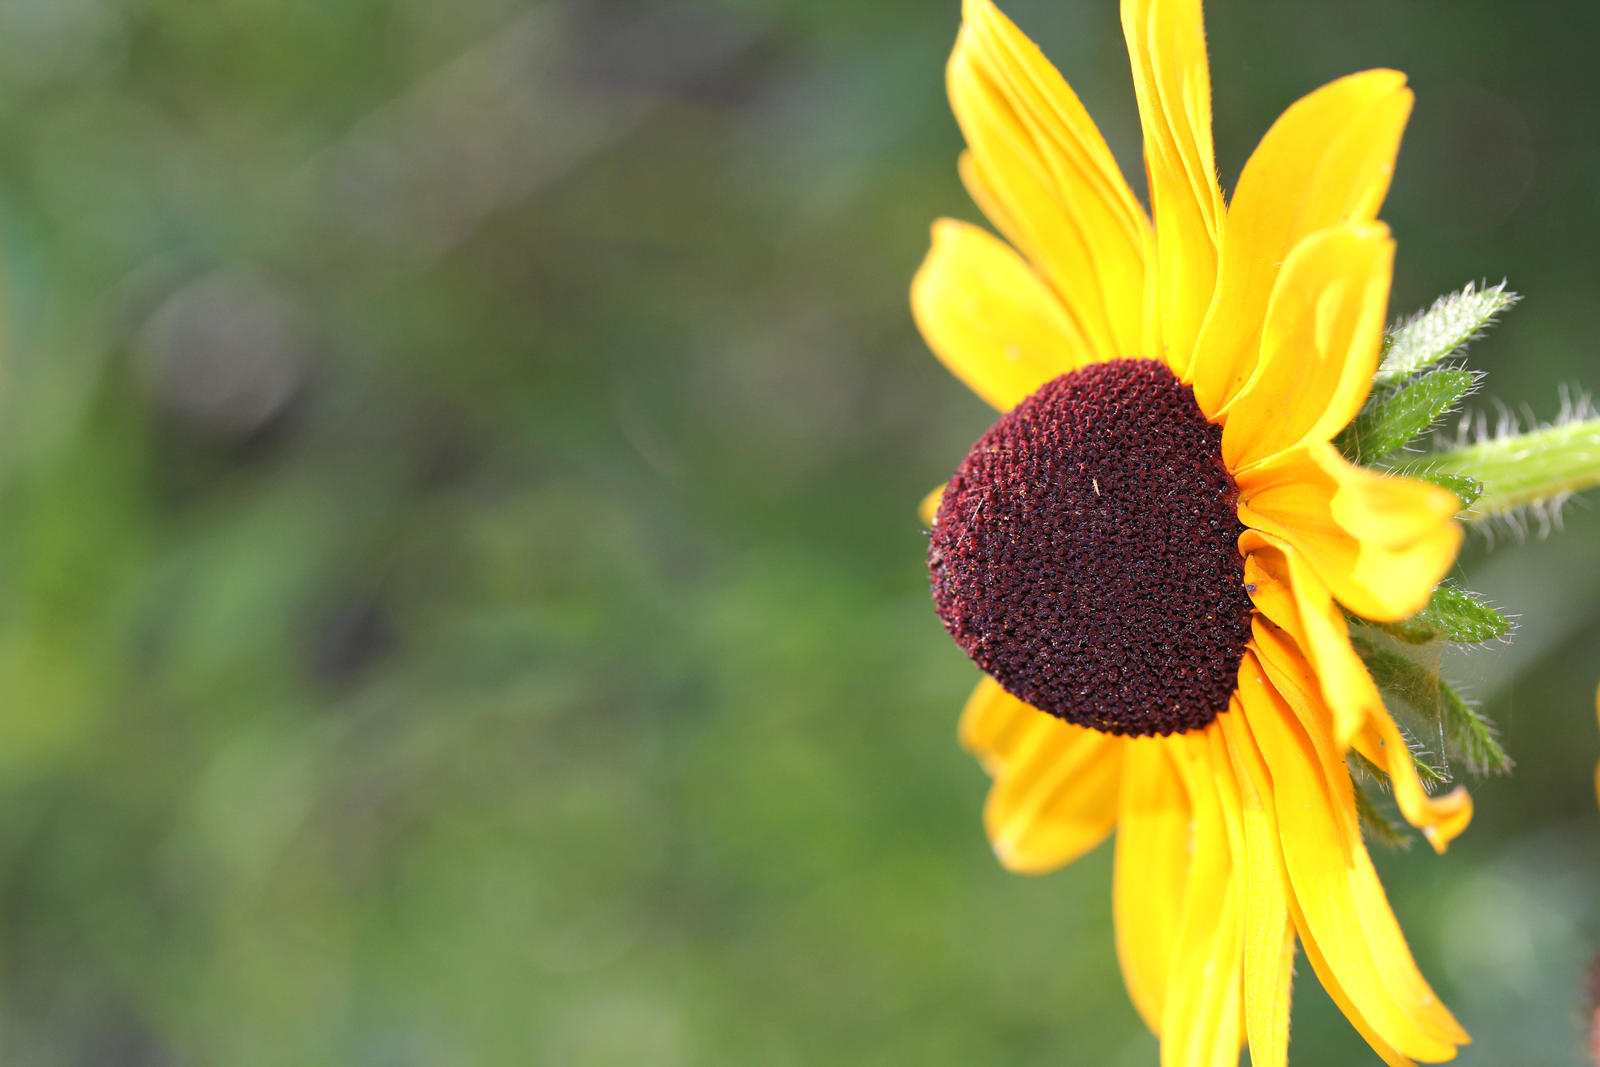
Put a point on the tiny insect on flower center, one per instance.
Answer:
(1086, 553)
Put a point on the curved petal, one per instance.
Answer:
(992, 724)
(1320, 343)
(1202, 1024)
(1269, 927)
(1322, 660)
(1043, 174)
(1441, 819)
(1167, 49)
(1326, 161)
(1392, 512)
(1380, 543)
(1293, 599)
(1151, 877)
(1328, 976)
(1344, 912)
(1055, 791)
(989, 318)
(928, 508)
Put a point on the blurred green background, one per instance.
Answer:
(460, 594)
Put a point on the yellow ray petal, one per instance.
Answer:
(1167, 50)
(1042, 172)
(1055, 791)
(1380, 543)
(1441, 819)
(1325, 162)
(1272, 1007)
(1202, 1024)
(1344, 911)
(989, 318)
(1269, 928)
(1152, 873)
(1388, 511)
(1294, 599)
(1330, 982)
(1058, 803)
(992, 724)
(1320, 344)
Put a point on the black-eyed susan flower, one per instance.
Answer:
(1151, 554)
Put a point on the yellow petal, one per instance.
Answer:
(1055, 791)
(929, 508)
(1152, 873)
(1320, 344)
(1058, 803)
(1042, 172)
(1201, 1026)
(1167, 49)
(1392, 512)
(1294, 599)
(1269, 928)
(989, 318)
(1273, 1013)
(1344, 912)
(1325, 162)
(1441, 819)
(1329, 977)
(1380, 543)
(992, 724)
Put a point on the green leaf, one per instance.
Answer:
(1443, 329)
(1520, 470)
(1466, 730)
(1453, 615)
(1394, 416)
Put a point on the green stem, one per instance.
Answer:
(1521, 470)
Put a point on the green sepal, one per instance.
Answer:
(1453, 615)
(1394, 673)
(1466, 488)
(1396, 415)
(1466, 730)
(1445, 328)
(1471, 733)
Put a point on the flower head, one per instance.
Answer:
(1151, 554)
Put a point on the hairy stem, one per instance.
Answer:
(1524, 469)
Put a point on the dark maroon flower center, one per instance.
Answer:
(1085, 554)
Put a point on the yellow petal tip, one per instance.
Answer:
(1451, 814)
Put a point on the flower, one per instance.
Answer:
(1157, 542)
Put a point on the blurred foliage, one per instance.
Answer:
(462, 602)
